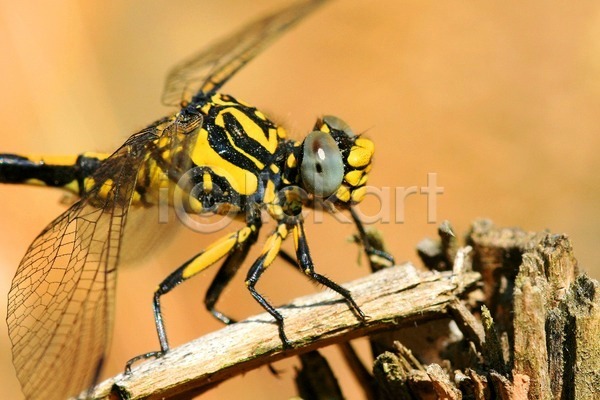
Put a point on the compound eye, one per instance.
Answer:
(322, 166)
(338, 124)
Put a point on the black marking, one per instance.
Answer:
(245, 142)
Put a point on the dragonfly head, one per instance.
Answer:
(335, 161)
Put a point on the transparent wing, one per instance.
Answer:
(60, 305)
(209, 69)
(170, 160)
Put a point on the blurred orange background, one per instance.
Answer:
(499, 99)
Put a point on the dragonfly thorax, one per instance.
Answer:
(237, 155)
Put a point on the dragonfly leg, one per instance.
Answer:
(269, 252)
(229, 244)
(226, 272)
(374, 255)
(307, 266)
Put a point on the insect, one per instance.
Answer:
(226, 157)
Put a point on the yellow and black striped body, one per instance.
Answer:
(240, 158)
(229, 159)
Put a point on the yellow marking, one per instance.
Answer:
(244, 233)
(272, 133)
(274, 168)
(153, 179)
(192, 204)
(363, 180)
(136, 198)
(365, 144)
(163, 142)
(291, 161)
(324, 128)
(260, 115)
(269, 193)
(215, 252)
(359, 156)
(105, 189)
(273, 244)
(281, 133)
(359, 194)
(283, 231)
(206, 108)
(72, 186)
(275, 211)
(207, 184)
(353, 177)
(297, 234)
(343, 193)
(88, 184)
(368, 168)
(242, 181)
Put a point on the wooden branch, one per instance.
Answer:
(392, 298)
(531, 331)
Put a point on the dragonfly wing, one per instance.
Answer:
(209, 69)
(170, 160)
(60, 305)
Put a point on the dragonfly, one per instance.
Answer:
(223, 156)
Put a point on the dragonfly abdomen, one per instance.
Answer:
(66, 172)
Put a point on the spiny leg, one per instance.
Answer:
(193, 266)
(307, 266)
(372, 252)
(377, 258)
(226, 272)
(269, 252)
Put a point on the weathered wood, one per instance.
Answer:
(391, 376)
(468, 324)
(549, 312)
(392, 298)
(584, 311)
(439, 254)
(534, 337)
(442, 385)
(530, 354)
(526, 327)
(492, 348)
(473, 385)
